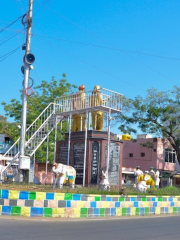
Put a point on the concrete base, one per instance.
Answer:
(96, 156)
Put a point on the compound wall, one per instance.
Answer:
(63, 205)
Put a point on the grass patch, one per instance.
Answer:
(167, 191)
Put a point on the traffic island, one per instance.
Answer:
(70, 205)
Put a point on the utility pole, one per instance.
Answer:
(25, 86)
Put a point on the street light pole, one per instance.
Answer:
(25, 84)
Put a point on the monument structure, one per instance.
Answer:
(91, 146)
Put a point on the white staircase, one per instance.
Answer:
(63, 107)
(36, 134)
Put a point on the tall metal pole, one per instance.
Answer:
(61, 130)
(69, 139)
(55, 138)
(108, 141)
(26, 78)
(85, 147)
(47, 153)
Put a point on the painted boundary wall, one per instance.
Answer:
(63, 205)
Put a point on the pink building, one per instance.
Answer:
(147, 152)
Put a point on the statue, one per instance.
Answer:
(145, 180)
(137, 173)
(152, 173)
(157, 181)
(63, 174)
(97, 117)
(104, 183)
(79, 102)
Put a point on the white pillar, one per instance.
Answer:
(108, 141)
(85, 147)
(69, 139)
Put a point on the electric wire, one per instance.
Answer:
(99, 46)
(11, 24)
(8, 39)
(6, 36)
(21, 7)
(152, 69)
(39, 17)
(112, 48)
(101, 70)
(8, 54)
(43, 3)
(45, 56)
(20, 45)
(107, 42)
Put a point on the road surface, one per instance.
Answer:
(145, 228)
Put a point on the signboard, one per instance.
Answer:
(63, 153)
(94, 163)
(24, 162)
(78, 153)
(114, 161)
(4, 147)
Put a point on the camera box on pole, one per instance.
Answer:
(24, 163)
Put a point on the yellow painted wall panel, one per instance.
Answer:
(13, 194)
(105, 204)
(146, 204)
(59, 196)
(76, 212)
(157, 210)
(170, 210)
(58, 212)
(118, 211)
(40, 196)
(25, 211)
(133, 211)
(80, 204)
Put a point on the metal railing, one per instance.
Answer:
(89, 100)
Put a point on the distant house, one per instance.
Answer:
(5, 143)
(147, 152)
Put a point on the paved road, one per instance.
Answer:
(153, 228)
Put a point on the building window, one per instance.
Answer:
(154, 150)
(142, 154)
(170, 155)
(7, 140)
(130, 154)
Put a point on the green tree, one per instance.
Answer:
(7, 128)
(158, 113)
(43, 94)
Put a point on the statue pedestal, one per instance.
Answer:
(96, 155)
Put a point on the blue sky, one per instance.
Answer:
(127, 46)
